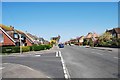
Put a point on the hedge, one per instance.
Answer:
(25, 48)
(10, 49)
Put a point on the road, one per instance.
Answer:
(80, 62)
(47, 64)
(90, 63)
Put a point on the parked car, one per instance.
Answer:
(61, 45)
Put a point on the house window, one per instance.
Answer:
(114, 35)
(22, 38)
(17, 43)
(15, 36)
(1, 38)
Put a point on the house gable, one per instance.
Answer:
(7, 39)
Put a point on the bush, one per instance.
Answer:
(115, 42)
(85, 42)
(31, 48)
(16, 49)
(25, 48)
(38, 48)
(10, 49)
(91, 43)
(47, 46)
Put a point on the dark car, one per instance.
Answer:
(61, 45)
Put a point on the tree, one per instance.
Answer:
(91, 43)
(105, 39)
(85, 42)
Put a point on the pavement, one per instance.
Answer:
(106, 48)
(11, 70)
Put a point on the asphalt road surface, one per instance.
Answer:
(48, 64)
(84, 62)
(80, 62)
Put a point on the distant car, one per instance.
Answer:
(61, 45)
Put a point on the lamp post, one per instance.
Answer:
(20, 44)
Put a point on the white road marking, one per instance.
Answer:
(2, 68)
(65, 70)
(116, 58)
(38, 55)
(56, 53)
(97, 53)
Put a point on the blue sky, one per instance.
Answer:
(67, 19)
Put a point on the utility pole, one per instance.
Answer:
(20, 44)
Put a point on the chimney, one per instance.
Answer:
(12, 27)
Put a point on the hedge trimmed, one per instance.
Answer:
(10, 49)
(25, 48)
(16, 49)
(40, 47)
(48, 46)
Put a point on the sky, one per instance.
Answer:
(67, 19)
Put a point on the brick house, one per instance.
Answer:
(80, 40)
(5, 39)
(11, 37)
(94, 36)
(74, 41)
(91, 36)
(115, 32)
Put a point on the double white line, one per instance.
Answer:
(66, 73)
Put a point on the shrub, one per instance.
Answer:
(31, 48)
(25, 48)
(85, 42)
(115, 42)
(16, 49)
(10, 49)
(91, 43)
(47, 46)
(38, 48)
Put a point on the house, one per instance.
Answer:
(91, 37)
(80, 40)
(55, 39)
(11, 37)
(37, 40)
(5, 39)
(94, 36)
(25, 39)
(73, 41)
(115, 32)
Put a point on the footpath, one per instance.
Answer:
(11, 70)
(105, 48)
